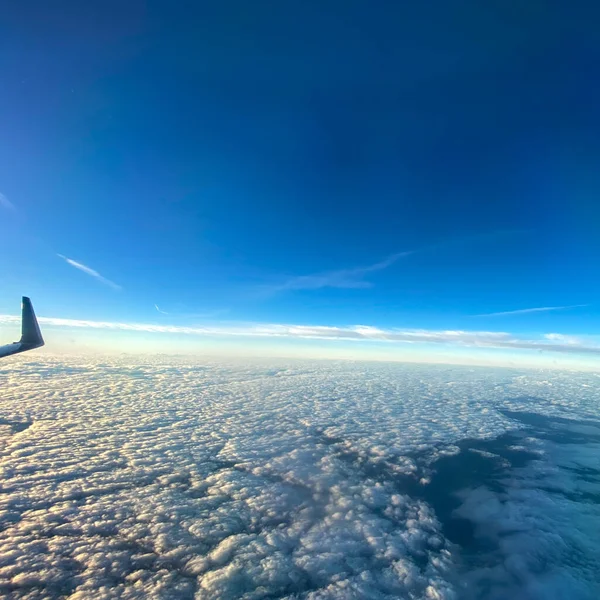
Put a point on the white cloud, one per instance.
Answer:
(159, 310)
(524, 311)
(210, 492)
(169, 478)
(475, 339)
(90, 271)
(565, 339)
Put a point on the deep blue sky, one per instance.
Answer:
(203, 156)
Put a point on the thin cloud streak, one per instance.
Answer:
(354, 278)
(91, 272)
(551, 342)
(524, 311)
(210, 314)
(344, 278)
(6, 203)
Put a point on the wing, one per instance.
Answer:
(31, 336)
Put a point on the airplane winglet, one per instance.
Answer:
(31, 336)
(30, 329)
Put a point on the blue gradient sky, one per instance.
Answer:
(272, 162)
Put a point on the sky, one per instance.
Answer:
(235, 166)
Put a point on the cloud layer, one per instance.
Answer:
(171, 479)
(551, 342)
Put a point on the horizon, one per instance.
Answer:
(360, 343)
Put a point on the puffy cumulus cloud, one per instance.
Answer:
(170, 479)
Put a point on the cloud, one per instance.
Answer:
(354, 278)
(551, 342)
(166, 478)
(344, 278)
(531, 520)
(524, 311)
(6, 203)
(207, 494)
(211, 314)
(90, 272)
(566, 339)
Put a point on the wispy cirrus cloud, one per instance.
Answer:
(90, 271)
(551, 342)
(524, 311)
(175, 314)
(343, 278)
(356, 277)
(7, 204)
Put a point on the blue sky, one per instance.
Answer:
(319, 164)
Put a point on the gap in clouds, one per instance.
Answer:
(487, 496)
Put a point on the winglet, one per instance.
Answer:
(31, 336)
